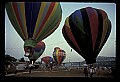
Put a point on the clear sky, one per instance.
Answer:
(14, 44)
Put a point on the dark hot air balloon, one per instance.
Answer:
(86, 30)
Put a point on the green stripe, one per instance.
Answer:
(51, 24)
(46, 8)
(30, 42)
(21, 18)
(13, 19)
(36, 55)
(80, 26)
(51, 30)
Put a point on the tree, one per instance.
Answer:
(10, 58)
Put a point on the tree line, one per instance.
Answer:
(13, 59)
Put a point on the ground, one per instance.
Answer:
(60, 72)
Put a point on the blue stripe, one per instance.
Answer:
(43, 16)
(21, 19)
(28, 9)
(31, 12)
(78, 14)
(35, 12)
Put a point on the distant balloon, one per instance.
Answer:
(34, 21)
(59, 55)
(47, 59)
(86, 30)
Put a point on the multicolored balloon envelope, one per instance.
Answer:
(47, 59)
(38, 51)
(86, 30)
(59, 55)
(34, 21)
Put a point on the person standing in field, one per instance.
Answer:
(92, 71)
(86, 71)
(51, 66)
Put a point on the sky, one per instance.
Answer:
(14, 43)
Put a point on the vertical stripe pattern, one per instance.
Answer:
(34, 20)
(59, 55)
(86, 32)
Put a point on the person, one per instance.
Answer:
(86, 71)
(46, 67)
(30, 67)
(51, 65)
(92, 71)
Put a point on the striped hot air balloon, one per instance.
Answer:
(34, 21)
(59, 55)
(38, 51)
(86, 30)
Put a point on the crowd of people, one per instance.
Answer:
(89, 71)
(49, 66)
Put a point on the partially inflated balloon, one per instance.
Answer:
(34, 21)
(59, 55)
(38, 51)
(47, 59)
(86, 30)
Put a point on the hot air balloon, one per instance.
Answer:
(34, 21)
(47, 59)
(59, 55)
(86, 30)
(38, 51)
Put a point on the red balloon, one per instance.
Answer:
(47, 59)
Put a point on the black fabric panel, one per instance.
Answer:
(106, 36)
(99, 35)
(69, 41)
(80, 39)
(88, 37)
(28, 13)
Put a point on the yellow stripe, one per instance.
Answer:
(56, 52)
(67, 22)
(51, 14)
(39, 16)
(22, 9)
(43, 37)
(17, 20)
(105, 28)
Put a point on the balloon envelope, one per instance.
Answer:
(86, 30)
(59, 55)
(38, 51)
(34, 21)
(47, 59)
